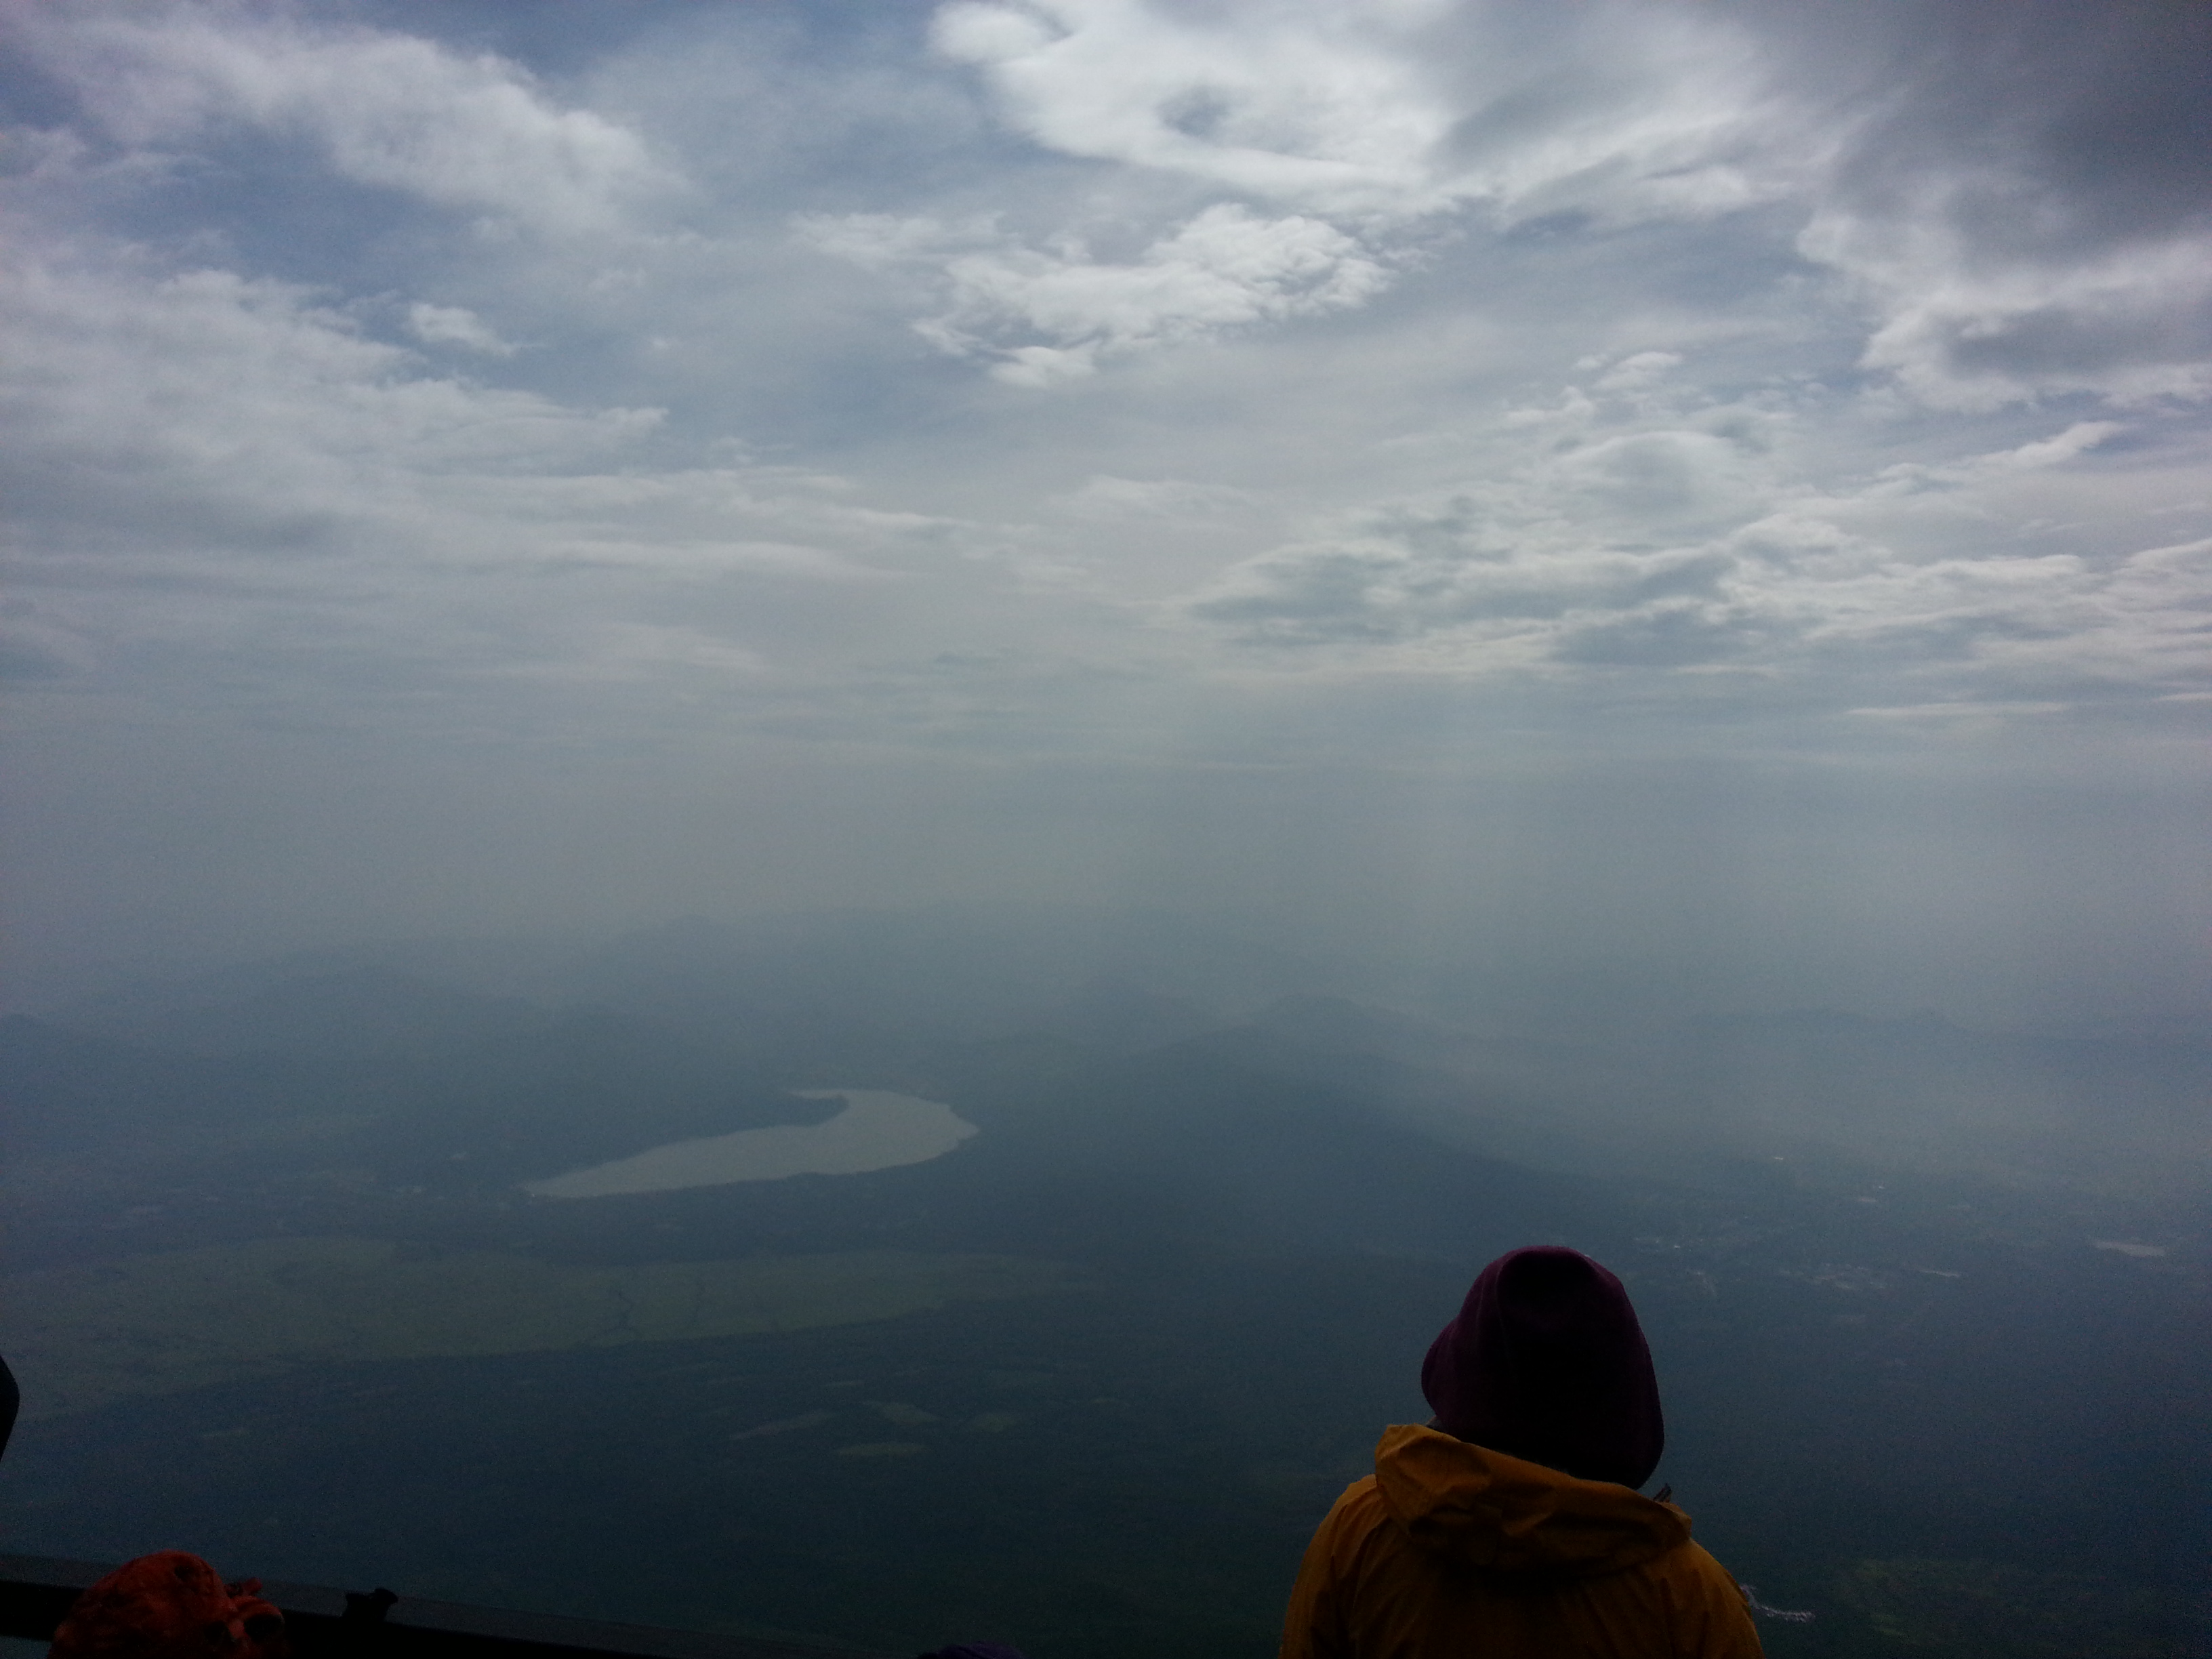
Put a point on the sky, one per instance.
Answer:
(1689, 488)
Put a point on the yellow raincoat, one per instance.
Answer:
(1451, 1550)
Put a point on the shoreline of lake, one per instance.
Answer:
(878, 1130)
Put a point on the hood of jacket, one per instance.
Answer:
(1505, 1515)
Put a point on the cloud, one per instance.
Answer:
(2024, 193)
(2016, 194)
(1378, 589)
(1041, 316)
(1705, 539)
(393, 111)
(223, 484)
(1964, 330)
(1319, 109)
(454, 325)
(647, 652)
(31, 649)
(1363, 111)
(1607, 504)
(229, 411)
(433, 474)
(1344, 138)
(1107, 498)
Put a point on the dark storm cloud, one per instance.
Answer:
(2072, 128)
(2051, 163)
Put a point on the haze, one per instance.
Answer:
(814, 807)
(1707, 498)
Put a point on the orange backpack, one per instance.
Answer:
(171, 1605)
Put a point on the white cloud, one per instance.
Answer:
(1360, 111)
(1634, 521)
(1704, 540)
(215, 469)
(1985, 283)
(455, 326)
(1048, 315)
(2076, 439)
(1344, 135)
(1106, 497)
(286, 511)
(393, 111)
(1320, 109)
(1638, 372)
(1963, 329)
(249, 400)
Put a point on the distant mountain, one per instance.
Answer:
(703, 1028)
(1118, 1014)
(395, 1078)
(940, 976)
(1215, 1142)
(1924, 1090)
(71, 1093)
(363, 1013)
(1114, 1118)
(1916, 1092)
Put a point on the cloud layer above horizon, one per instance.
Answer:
(426, 422)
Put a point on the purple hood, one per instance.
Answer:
(1546, 1362)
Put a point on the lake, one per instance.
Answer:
(878, 1130)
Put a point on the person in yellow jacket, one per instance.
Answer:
(1509, 1526)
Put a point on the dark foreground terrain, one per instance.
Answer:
(1085, 1384)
